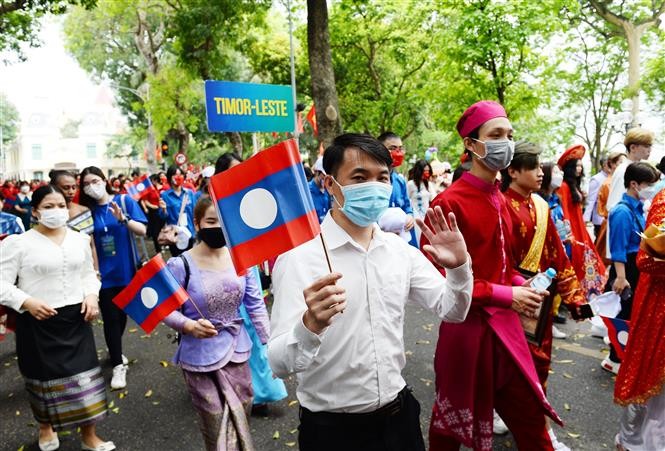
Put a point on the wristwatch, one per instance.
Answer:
(124, 220)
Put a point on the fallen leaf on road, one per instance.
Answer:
(10, 395)
(111, 404)
(567, 376)
(293, 431)
(64, 433)
(148, 394)
(275, 436)
(116, 410)
(408, 353)
(422, 342)
(21, 448)
(572, 435)
(564, 361)
(428, 327)
(145, 336)
(566, 406)
(155, 403)
(550, 371)
(18, 413)
(122, 394)
(8, 363)
(164, 363)
(292, 403)
(290, 444)
(132, 330)
(426, 381)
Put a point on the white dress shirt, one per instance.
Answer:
(614, 196)
(60, 275)
(355, 364)
(591, 213)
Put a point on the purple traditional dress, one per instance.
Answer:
(215, 369)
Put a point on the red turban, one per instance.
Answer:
(477, 114)
(575, 152)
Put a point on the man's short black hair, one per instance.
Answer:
(383, 137)
(373, 148)
(641, 172)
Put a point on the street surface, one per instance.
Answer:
(154, 412)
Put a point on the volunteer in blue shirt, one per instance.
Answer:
(399, 197)
(174, 198)
(116, 217)
(319, 194)
(626, 220)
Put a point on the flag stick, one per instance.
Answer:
(325, 251)
(293, 72)
(196, 307)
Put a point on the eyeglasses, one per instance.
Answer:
(92, 182)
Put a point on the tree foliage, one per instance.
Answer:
(10, 121)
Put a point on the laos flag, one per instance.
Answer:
(617, 332)
(152, 294)
(264, 205)
(140, 188)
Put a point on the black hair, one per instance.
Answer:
(2, 197)
(56, 174)
(154, 178)
(171, 171)
(547, 178)
(135, 173)
(308, 172)
(475, 133)
(84, 199)
(373, 148)
(521, 161)
(460, 170)
(43, 191)
(573, 180)
(661, 165)
(224, 161)
(417, 173)
(383, 137)
(640, 172)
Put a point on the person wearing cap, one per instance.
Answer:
(484, 363)
(319, 194)
(595, 182)
(638, 142)
(399, 197)
(588, 264)
(537, 246)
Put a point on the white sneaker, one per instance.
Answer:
(607, 341)
(598, 331)
(556, 333)
(125, 361)
(119, 379)
(556, 444)
(610, 366)
(500, 427)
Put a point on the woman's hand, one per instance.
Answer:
(201, 328)
(117, 212)
(162, 204)
(90, 307)
(620, 284)
(39, 309)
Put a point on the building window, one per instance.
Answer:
(91, 150)
(36, 151)
(38, 175)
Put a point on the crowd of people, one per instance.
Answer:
(468, 245)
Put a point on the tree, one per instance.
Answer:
(654, 79)
(324, 91)
(629, 21)
(10, 121)
(19, 21)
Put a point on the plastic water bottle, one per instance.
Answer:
(542, 281)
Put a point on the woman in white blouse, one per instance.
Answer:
(418, 189)
(47, 276)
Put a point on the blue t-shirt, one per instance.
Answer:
(9, 224)
(400, 198)
(174, 202)
(626, 220)
(321, 200)
(112, 242)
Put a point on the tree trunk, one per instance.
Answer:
(236, 141)
(324, 91)
(633, 37)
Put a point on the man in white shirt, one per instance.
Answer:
(638, 142)
(342, 332)
(595, 182)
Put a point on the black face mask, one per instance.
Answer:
(212, 236)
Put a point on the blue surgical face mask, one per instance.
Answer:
(364, 203)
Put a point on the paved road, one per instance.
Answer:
(154, 412)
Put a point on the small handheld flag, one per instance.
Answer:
(140, 188)
(152, 294)
(617, 331)
(264, 205)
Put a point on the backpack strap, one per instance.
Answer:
(187, 271)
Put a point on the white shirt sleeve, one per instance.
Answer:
(594, 186)
(91, 284)
(11, 251)
(292, 347)
(449, 297)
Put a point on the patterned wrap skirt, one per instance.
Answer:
(58, 361)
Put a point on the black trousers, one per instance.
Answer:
(394, 427)
(633, 277)
(115, 321)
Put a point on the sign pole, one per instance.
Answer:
(293, 73)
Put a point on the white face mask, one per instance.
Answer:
(557, 180)
(25, 189)
(95, 190)
(648, 193)
(53, 218)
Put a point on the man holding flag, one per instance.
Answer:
(341, 332)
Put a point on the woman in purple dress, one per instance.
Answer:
(215, 348)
